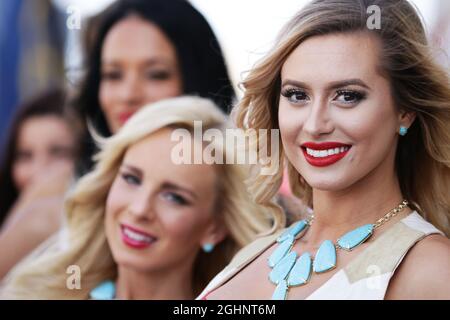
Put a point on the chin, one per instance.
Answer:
(326, 186)
(139, 264)
(130, 260)
(327, 183)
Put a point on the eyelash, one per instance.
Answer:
(111, 75)
(23, 156)
(289, 93)
(151, 75)
(158, 75)
(61, 152)
(177, 199)
(357, 96)
(131, 179)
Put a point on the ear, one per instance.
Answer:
(406, 118)
(215, 232)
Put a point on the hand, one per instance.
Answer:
(47, 187)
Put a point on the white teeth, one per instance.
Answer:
(136, 236)
(325, 153)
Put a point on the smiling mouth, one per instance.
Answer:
(327, 152)
(135, 238)
(324, 154)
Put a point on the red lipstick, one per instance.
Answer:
(325, 153)
(124, 116)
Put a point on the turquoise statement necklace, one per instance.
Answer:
(288, 270)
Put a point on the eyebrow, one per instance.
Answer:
(165, 185)
(146, 62)
(132, 168)
(331, 85)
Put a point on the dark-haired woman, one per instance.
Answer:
(34, 175)
(138, 52)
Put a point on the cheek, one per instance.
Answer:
(21, 174)
(290, 121)
(115, 203)
(182, 225)
(106, 97)
(372, 133)
(61, 162)
(167, 89)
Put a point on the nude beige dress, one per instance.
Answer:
(365, 277)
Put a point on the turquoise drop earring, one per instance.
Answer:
(208, 247)
(403, 131)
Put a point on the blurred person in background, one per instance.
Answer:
(32, 36)
(37, 166)
(440, 33)
(139, 52)
(142, 51)
(141, 226)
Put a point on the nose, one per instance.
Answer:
(318, 121)
(41, 165)
(141, 205)
(131, 93)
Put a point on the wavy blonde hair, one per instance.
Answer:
(418, 84)
(43, 273)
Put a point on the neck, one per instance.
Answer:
(337, 212)
(132, 284)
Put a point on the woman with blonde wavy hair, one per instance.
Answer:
(138, 222)
(364, 117)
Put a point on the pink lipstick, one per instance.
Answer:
(135, 238)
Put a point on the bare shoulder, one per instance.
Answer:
(424, 272)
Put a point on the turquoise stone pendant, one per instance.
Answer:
(355, 237)
(105, 291)
(301, 272)
(281, 290)
(293, 231)
(281, 251)
(281, 270)
(325, 258)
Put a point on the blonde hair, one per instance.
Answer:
(418, 84)
(43, 274)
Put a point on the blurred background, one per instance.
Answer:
(40, 39)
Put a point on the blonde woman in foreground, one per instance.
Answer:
(364, 117)
(141, 226)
